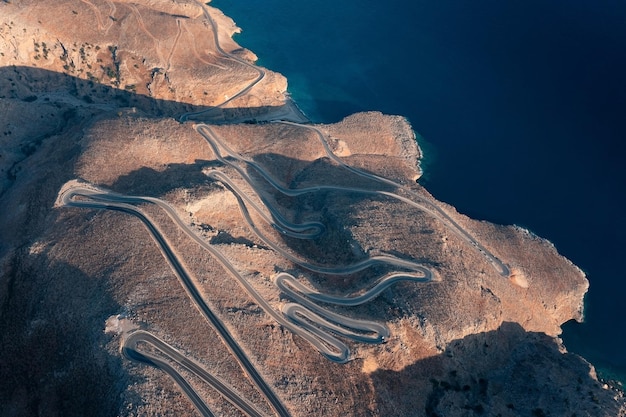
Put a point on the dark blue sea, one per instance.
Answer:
(521, 104)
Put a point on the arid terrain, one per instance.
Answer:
(152, 177)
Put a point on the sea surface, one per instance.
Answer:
(521, 106)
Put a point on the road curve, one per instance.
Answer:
(379, 333)
(329, 346)
(130, 350)
(416, 200)
(215, 144)
(284, 281)
(419, 202)
(221, 51)
(322, 269)
(93, 198)
(308, 230)
(304, 317)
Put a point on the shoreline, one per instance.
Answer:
(429, 157)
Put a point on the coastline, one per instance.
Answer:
(428, 157)
(292, 112)
(288, 112)
(267, 197)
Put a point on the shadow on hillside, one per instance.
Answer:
(51, 356)
(52, 360)
(37, 190)
(338, 210)
(36, 85)
(150, 182)
(77, 103)
(506, 372)
(335, 209)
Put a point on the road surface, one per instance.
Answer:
(131, 350)
(90, 197)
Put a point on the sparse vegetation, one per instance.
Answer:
(70, 270)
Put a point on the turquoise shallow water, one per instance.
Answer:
(523, 105)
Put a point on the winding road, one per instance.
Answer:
(329, 346)
(304, 316)
(220, 50)
(131, 351)
(88, 197)
(416, 200)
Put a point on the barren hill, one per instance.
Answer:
(154, 180)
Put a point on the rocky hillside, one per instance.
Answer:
(111, 94)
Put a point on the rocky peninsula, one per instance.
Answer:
(155, 181)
